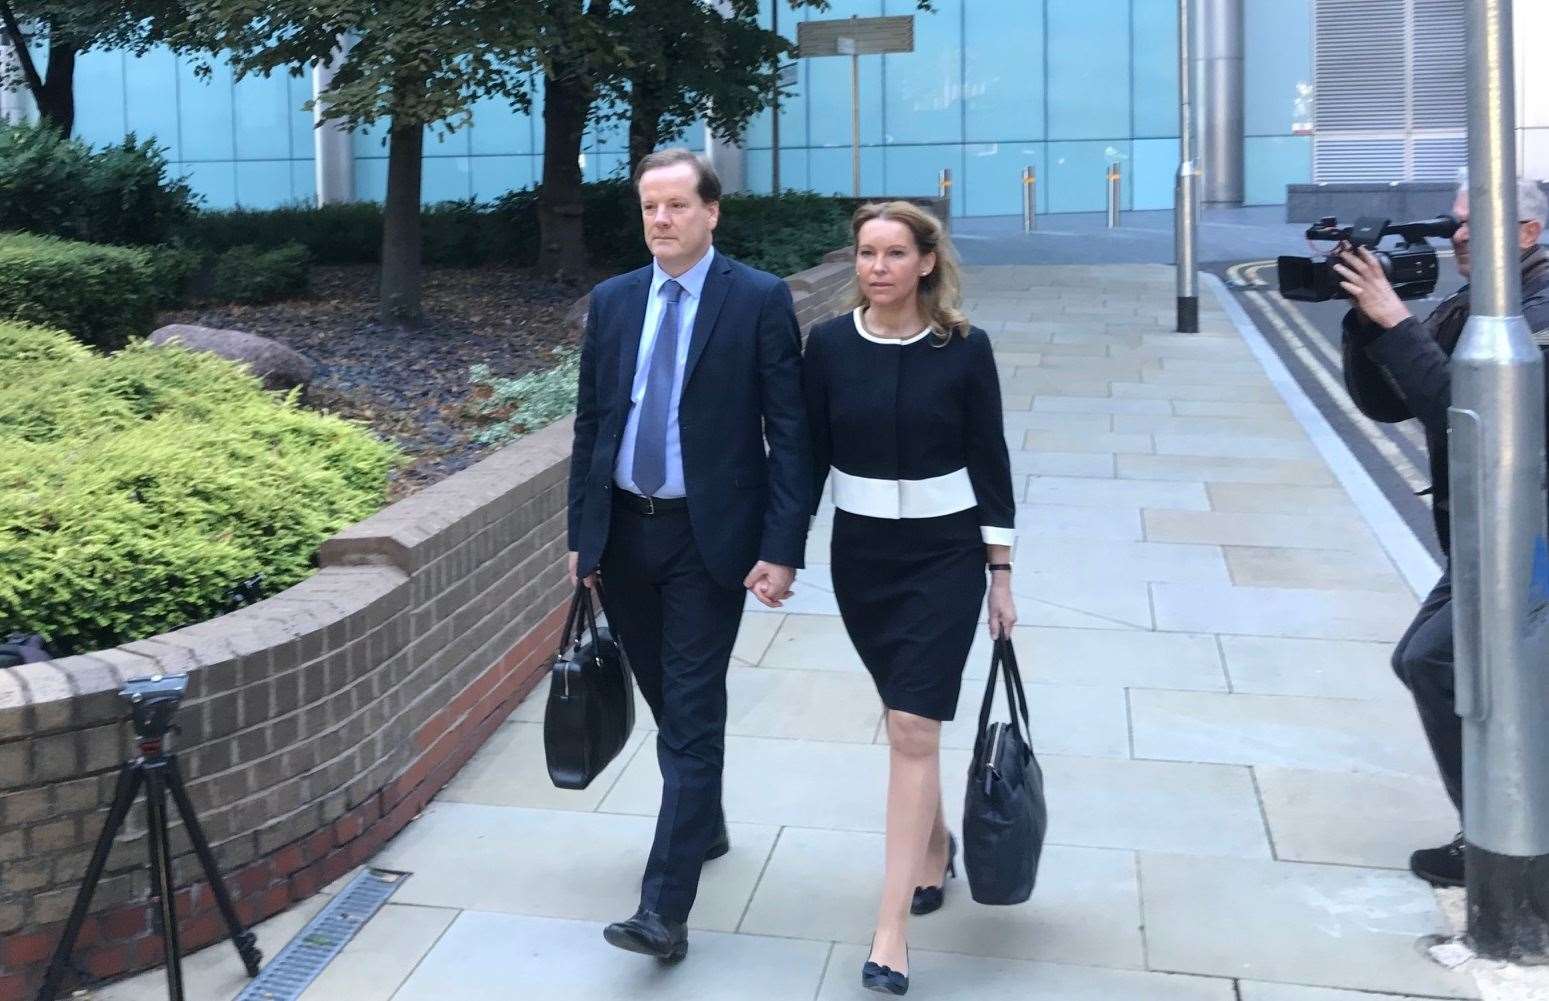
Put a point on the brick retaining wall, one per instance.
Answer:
(318, 722)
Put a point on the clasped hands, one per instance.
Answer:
(770, 583)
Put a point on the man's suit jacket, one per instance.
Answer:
(741, 385)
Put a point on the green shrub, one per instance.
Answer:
(136, 490)
(527, 403)
(177, 270)
(781, 235)
(103, 296)
(54, 186)
(255, 275)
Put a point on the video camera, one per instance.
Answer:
(152, 703)
(1411, 266)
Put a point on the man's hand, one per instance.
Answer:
(573, 560)
(1369, 288)
(770, 582)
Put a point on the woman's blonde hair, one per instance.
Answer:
(941, 291)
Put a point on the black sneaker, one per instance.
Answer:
(1440, 866)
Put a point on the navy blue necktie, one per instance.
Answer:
(650, 470)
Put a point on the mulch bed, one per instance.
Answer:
(411, 388)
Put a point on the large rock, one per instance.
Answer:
(280, 367)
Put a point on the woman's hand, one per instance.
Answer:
(1003, 607)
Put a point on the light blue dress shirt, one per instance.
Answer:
(693, 282)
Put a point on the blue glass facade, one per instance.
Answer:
(1064, 86)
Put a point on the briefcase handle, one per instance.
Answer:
(1004, 659)
(582, 618)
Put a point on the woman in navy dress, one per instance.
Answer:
(905, 410)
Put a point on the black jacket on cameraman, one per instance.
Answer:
(1406, 372)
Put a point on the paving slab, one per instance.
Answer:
(1124, 562)
(1061, 463)
(1200, 468)
(497, 957)
(1272, 665)
(1339, 735)
(1354, 818)
(1260, 392)
(1251, 990)
(1109, 523)
(1085, 909)
(1264, 529)
(802, 705)
(1111, 493)
(1110, 659)
(557, 863)
(1268, 611)
(1086, 441)
(1083, 720)
(1328, 569)
(1333, 926)
(812, 643)
(1284, 428)
(1279, 498)
(510, 770)
(1100, 405)
(382, 955)
(955, 976)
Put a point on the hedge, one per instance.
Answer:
(781, 235)
(254, 275)
(139, 490)
(103, 296)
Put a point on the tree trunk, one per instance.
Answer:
(567, 100)
(401, 248)
(645, 122)
(56, 101)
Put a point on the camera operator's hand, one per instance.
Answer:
(1369, 288)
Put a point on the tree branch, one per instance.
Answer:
(13, 32)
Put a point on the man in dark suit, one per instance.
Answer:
(688, 367)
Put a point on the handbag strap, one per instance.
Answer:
(580, 604)
(1004, 661)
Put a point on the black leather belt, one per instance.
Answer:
(649, 505)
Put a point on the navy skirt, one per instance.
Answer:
(910, 592)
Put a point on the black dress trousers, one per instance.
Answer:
(677, 626)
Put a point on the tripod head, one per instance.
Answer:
(152, 703)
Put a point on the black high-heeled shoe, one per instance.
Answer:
(930, 898)
(884, 979)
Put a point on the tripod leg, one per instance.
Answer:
(245, 941)
(129, 780)
(160, 847)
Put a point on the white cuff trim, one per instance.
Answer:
(998, 536)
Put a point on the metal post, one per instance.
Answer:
(1186, 188)
(944, 186)
(1500, 560)
(1114, 183)
(332, 145)
(1219, 37)
(1029, 199)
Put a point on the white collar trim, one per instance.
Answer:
(860, 328)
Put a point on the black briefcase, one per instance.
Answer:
(591, 707)
(1004, 813)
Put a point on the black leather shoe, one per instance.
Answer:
(930, 898)
(1440, 866)
(884, 979)
(720, 846)
(650, 934)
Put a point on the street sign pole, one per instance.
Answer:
(774, 113)
(847, 47)
(1500, 559)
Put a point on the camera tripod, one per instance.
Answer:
(155, 770)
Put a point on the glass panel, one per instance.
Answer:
(99, 89)
(1277, 57)
(830, 171)
(263, 184)
(205, 114)
(302, 141)
(828, 79)
(371, 179)
(439, 143)
(1154, 171)
(217, 182)
(756, 174)
(1154, 44)
(150, 98)
(916, 170)
(1078, 175)
(992, 178)
(499, 129)
(261, 105)
(1272, 162)
(1088, 68)
(924, 91)
(446, 179)
(303, 182)
(493, 176)
(1004, 72)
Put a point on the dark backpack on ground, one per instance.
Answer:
(23, 648)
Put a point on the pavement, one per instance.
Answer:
(1208, 591)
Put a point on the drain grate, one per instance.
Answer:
(315, 946)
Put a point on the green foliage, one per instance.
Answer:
(255, 275)
(177, 270)
(103, 296)
(136, 490)
(54, 186)
(781, 235)
(527, 403)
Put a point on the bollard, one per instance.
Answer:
(1113, 195)
(1186, 189)
(1029, 199)
(944, 183)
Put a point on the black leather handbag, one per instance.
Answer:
(591, 707)
(1004, 813)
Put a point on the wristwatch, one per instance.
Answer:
(1000, 566)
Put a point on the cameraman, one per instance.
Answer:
(1397, 367)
